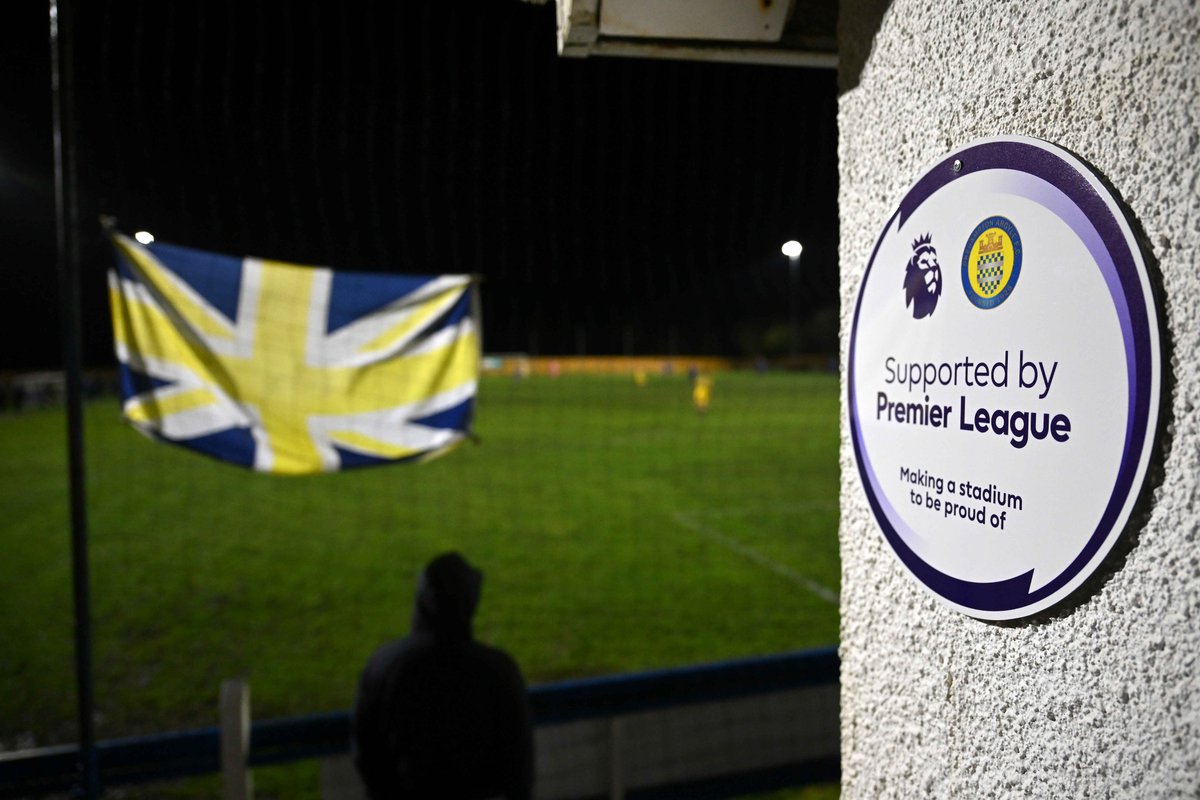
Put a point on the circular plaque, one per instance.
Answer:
(1004, 377)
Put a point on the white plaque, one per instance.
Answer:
(1004, 377)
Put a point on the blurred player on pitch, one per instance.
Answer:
(701, 393)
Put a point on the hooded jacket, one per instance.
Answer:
(439, 715)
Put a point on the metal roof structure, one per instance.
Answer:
(799, 33)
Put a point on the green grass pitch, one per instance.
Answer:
(619, 530)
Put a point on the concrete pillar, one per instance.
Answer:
(1102, 698)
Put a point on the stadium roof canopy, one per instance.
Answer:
(784, 32)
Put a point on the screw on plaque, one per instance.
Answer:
(957, 165)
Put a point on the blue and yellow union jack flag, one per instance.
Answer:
(290, 369)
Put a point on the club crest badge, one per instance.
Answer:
(923, 278)
(991, 262)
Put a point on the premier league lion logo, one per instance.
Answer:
(923, 278)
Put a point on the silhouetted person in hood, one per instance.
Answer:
(438, 714)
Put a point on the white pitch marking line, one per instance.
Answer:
(749, 553)
(777, 508)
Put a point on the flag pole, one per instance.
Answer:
(477, 316)
(67, 230)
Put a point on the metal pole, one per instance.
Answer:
(616, 760)
(793, 304)
(67, 225)
(236, 778)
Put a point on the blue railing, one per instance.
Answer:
(184, 754)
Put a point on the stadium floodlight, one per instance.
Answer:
(144, 237)
(792, 249)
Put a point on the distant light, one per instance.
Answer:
(792, 249)
(146, 238)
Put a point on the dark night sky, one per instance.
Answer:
(612, 205)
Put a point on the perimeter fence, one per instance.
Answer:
(620, 212)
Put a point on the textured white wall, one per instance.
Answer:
(1104, 699)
